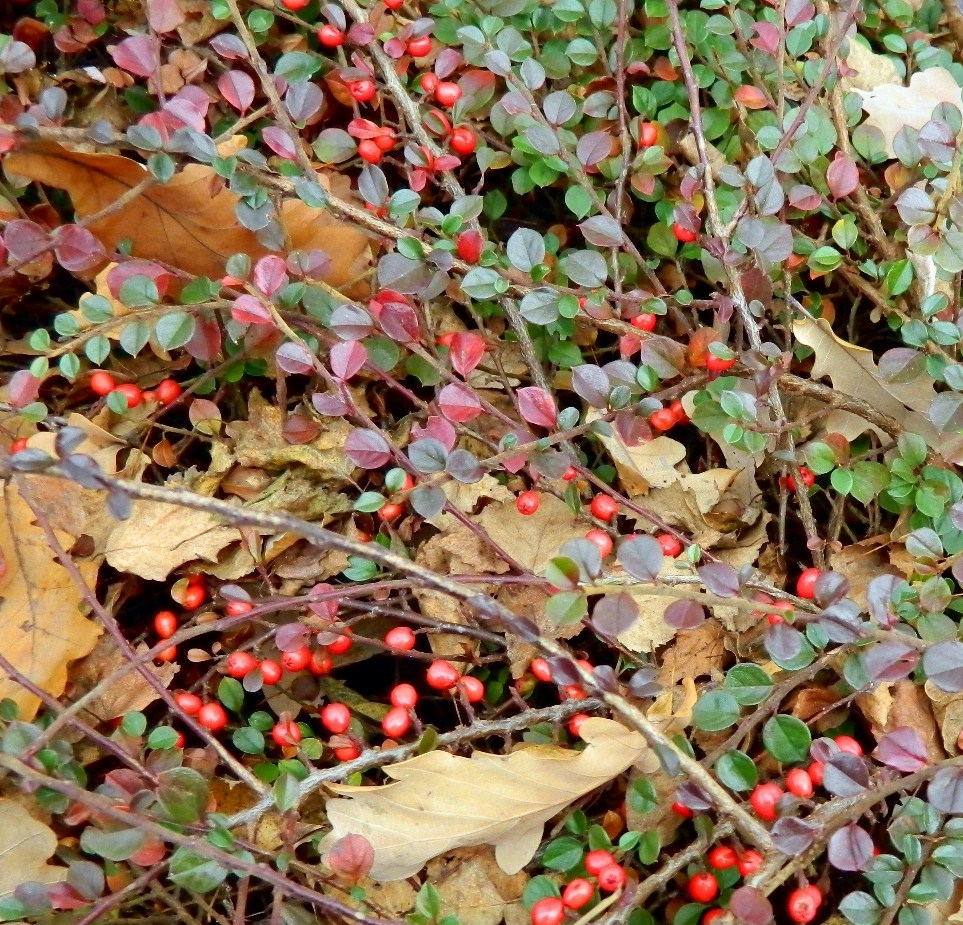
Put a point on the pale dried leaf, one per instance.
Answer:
(440, 801)
(25, 847)
(649, 465)
(948, 709)
(473, 887)
(872, 70)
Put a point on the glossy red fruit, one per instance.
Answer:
(394, 4)
(645, 322)
(786, 608)
(601, 539)
(212, 716)
(806, 474)
(799, 783)
(597, 860)
(369, 151)
(447, 93)
(167, 655)
(168, 391)
(573, 692)
(321, 663)
(678, 409)
(473, 688)
(662, 420)
(803, 904)
(718, 364)
(680, 809)
(347, 752)
(442, 675)
(577, 893)
(815, 772)
(429, 82)
(749, 862)
(286, 733)
(335, 717)
(419, 47)
(575, 724)
(386, 140)
(396, 723)
(403, 695)
(194, 596)
(570, 474)
(165, 623)
(294, 4)
(297, 660)
(400, 638)
(604, 507)
(669, 545)
(539, 668)
(389, 512)
(703, 887)
(469, 246)
(712, 915)
(102, 383)
(764, 799)
(527, 503)
(806, 583)
(682, 234)
(188, 704)
(236, 608)
(849, 745)
(611, 878)
(271, 671)
(18, 445)
(180, 741)
(462, 141)
(330, 36)
(722, 857)
(131, 392)
(240, 664)
(342, 643)
(362, 90)
(648, 134)
(550, 910)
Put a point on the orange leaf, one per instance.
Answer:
(750, 97)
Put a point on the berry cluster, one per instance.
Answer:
(166, 392)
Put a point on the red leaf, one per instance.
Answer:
(294, 359)
(347, 358)
(750, 97)
(351, 857)
(237, 88)
(467, 349)
(137, 55)
(247, 309)
(537, 406)
(270, 274)
(842, 176)
(399, 321)
(367, 449)
(77, 250)
(438, 429)
(205, 345)
(24, 387)
(164, 15)
(458, 403)
(277, 140)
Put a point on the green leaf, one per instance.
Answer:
(563, 854)
(174, 330)
(183, 794)
(70, 366)
(748, 684)
(286, 792)
(650, 847)
(566, 608)
(737, 771)
(786, 738)
(114, 846)
(428, 902)
(248, 740)
(641, 796)
(134, 336)
(370, 501)
(715, 711)
(194, 872)
(231, 694)
(163, 737)
(134, 724)
(579, 202)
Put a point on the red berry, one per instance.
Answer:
(369, 151)
(391, 511)
(682, 234)
(799, 783)
(549, 910)
(362, 90)
(527, 502)
(394, 4)
(469, 246)
(601, 539)
(400, 638)
(347, 752)
(131, 392)
(764, 799)
(573, 692)
(448, 93)
(680, 809)
(330, 36)
(212, 716)
(670, 546)
(849, 745)
(722, 857)
(803, 904)
(240, 664)
(396, 723)
(808, 479)
(18, 445)
(718, 364)
(570, 474)
(403, 695)
(749, 862)
(604, 507)
(712, 915)
(663, 419)
(678, 409)
(419, 47)
(236, 608)
(320, 663)
(815, 772)
(168, 391)
(648, 134)
(342, 643)
(806, 583)
(703, 887)
(294, 4)
(194, 596)
(102, 383)
(180, 741)
(336, 717)
(286, 733)
(645, 322)
(386, 140)
(611, 878)
(167, 655)
(271, 671)
(429, 82)
(165, 623)
(442, 675)
(297, 660)
(598, 860)
(462, 140)
(189, 704)
(577, 893)
(575, 724)
(539, 668)
(472, 688)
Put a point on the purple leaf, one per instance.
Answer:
(750, 905)
(830, 587)
(270, 274)
(137, 55)
(367, 449)
(347, 358)
(903, 749)
(845, 775)
(641, 556)
(842, 177)
(945, 791)
(294, 359)
(943, 664)
(537, 406)
(591, 383)
(684, 615)
(720, 579)
(350, 322)
(851, 848)
(76, 249)
(793, 836)
(250, 310)
(615, 614)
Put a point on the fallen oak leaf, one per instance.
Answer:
(25, 846)
(439, 802)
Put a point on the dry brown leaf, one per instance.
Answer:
(473, 887)
(891, 105)
(649, 465)
(694, 654)
(25, 847)
(42, 616)
(439, 802)
(904, 703)
(948, 709)
(859, 563)
(854, 372)
(188, 222)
